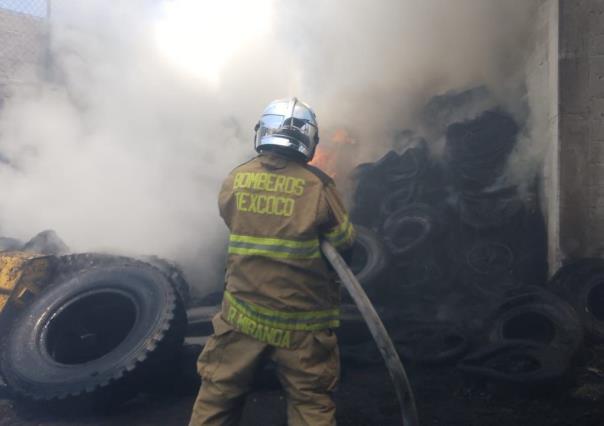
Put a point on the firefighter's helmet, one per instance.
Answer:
(288, 125)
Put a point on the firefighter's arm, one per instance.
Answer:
(226, 199)
(337, 229)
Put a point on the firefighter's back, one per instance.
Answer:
(275, 210)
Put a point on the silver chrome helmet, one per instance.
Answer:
(289, 125)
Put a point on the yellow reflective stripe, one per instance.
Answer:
(273, 336)
(246, 245)
(341, 234)
(284, 315)
(274, 241)
(296, 321)
(271, 253)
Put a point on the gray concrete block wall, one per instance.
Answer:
(581, 127)
(22, 48)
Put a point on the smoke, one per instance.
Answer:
(123, 149)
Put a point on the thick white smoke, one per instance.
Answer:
(125, 148)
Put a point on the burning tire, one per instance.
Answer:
(93, 333)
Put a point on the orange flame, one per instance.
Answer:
(322, 160)
(328, 153)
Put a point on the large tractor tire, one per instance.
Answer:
(174, 274)
(94, 332)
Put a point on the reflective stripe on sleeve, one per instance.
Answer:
(342, 234)
(274, 247)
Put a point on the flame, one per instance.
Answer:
(341, 136)
(322, 160)
(328, 153)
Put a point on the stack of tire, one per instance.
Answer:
(398, 204)
(476, 150)
(100, 331)
(459, 251)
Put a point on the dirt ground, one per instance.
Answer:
(365, 397)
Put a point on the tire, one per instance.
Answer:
(568, 277)
(489, 257)
(419, 277)
(430, 342)
(488, 269)
(409, 229)
(398, 199)
(210, 299)
(490, 209)
(353, 328)
(516, 362)
(360, 354)
(174, 274)
(3, 388)
(199, 320)
(370, 259)
(93, 334)
(590, 305)
(408, 167)
(581, 282)
(540, 318)
(476, 150)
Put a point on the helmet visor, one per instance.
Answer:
(299, 129)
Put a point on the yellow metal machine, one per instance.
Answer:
(22, 277)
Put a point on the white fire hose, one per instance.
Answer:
(399, 378)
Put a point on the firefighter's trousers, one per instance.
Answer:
(230, 359)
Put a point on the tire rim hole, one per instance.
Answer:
(360, 257)
(90, 327)
(531, 326)
(409, 232)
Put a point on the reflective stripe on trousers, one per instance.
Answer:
(275, 327)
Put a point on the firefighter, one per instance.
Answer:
(281, 301)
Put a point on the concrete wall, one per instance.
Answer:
(581, 127)
(542, 87)
(22, 48)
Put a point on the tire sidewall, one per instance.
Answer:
(30, 370)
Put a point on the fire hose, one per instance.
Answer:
(395, 368)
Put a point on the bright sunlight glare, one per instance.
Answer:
(200, 36)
